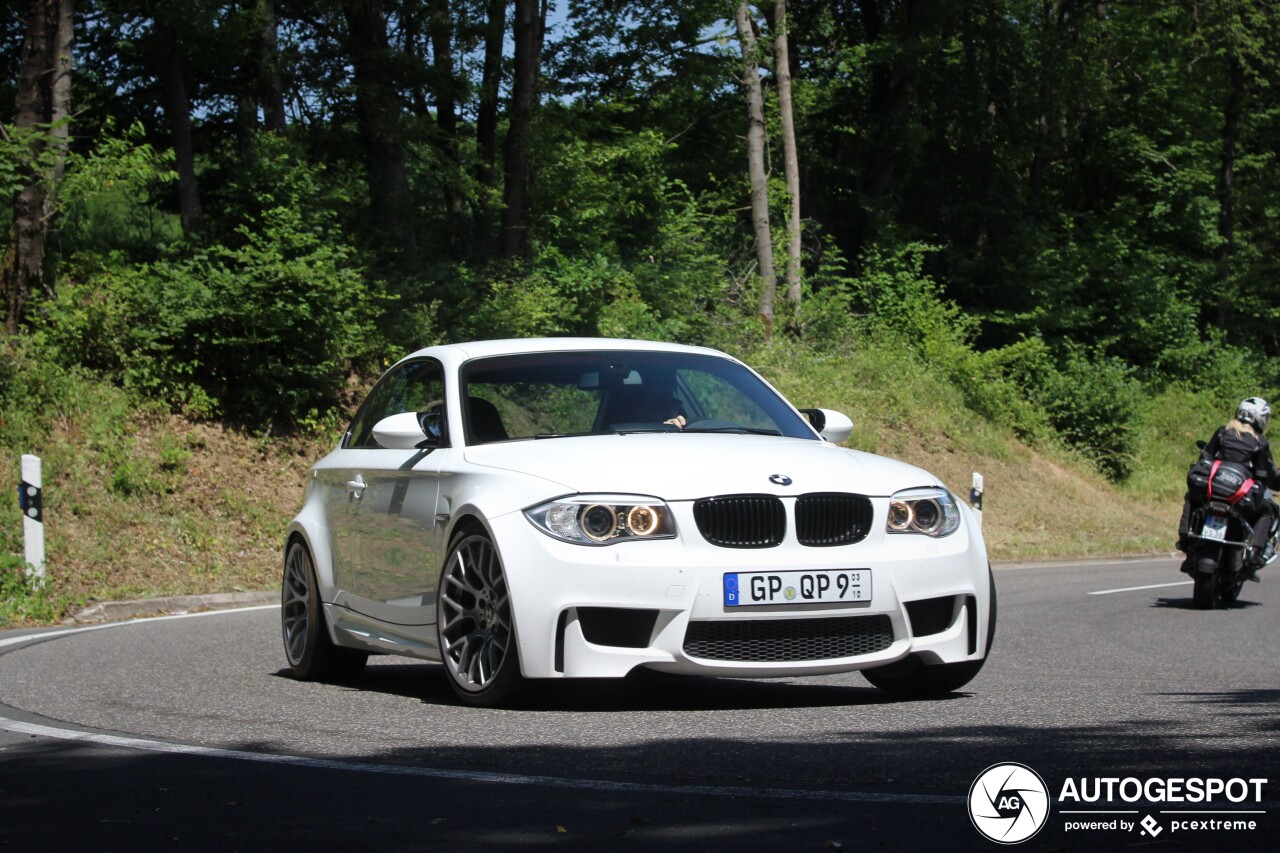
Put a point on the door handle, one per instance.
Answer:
(355, 488)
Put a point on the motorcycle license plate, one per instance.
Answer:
(1215, 527)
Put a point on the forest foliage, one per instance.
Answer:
(1065, 207)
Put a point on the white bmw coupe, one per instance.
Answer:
(569, 508)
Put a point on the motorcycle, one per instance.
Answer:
(1226, 503)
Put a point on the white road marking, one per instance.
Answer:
(48, 635)
(119, 742)
(1136, 588)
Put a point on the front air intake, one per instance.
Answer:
(771, 640)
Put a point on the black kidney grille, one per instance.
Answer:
(766, 640)
(741, 521)
(832, 518)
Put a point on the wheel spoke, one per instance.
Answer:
(474, 614)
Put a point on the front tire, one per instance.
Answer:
(913, 679)
(312, 655)
(475, 626)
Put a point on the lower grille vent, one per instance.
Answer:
(768, 640)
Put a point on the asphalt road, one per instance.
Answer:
(186, 734)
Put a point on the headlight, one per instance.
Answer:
(603, 520)
(931, 511)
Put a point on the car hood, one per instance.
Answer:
(687, 466)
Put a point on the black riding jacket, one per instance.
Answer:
(1245, 448)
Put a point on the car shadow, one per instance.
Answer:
(642, 690)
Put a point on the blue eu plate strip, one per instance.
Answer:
(731, 590)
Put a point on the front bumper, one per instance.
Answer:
(602, 611)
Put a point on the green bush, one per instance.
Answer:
(108, 200)
(1094, 403)
(260, 331)
(1088, 400)
(900, 305)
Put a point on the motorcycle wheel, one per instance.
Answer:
(1206, 594)
(1217, 590)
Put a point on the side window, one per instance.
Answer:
(414, 387)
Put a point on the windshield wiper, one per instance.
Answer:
(645, 430)
(734, 429)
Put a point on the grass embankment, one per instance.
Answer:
(140, 503)
(1041, 502)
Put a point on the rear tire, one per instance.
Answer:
(913, 679)
(1216, 589)
(312, 655)
(1205, 594)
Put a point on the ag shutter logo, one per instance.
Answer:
(1009, 803)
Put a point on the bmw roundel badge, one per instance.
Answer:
(780, 479)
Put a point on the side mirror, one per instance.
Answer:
(833, 426)
(405, 431)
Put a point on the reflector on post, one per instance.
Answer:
(31, 501)
(975, 496)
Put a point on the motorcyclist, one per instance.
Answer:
(1241, 441)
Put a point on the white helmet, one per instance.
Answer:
(1254, 410)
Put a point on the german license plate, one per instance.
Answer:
(828, 586)
(1215, 527)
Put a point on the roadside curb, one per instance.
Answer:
(1000, 565)
(117, 611)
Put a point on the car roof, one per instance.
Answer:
(459, 352)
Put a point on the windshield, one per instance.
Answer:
(552, 394)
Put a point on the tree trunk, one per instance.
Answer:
(755, 164)
(378, 107)
(60, 94)
(514, 240)
(270, 82)
(487, 117)
(790, 158)
(891, 92)
(178, 110)
(486, 170)
(1040, 156)
(42, 112)
(1231, 115)
(440, 27)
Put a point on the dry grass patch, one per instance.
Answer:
(177, 508)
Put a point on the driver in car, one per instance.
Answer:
(648, 403)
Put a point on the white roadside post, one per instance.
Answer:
(31, 500)
(975, 496)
